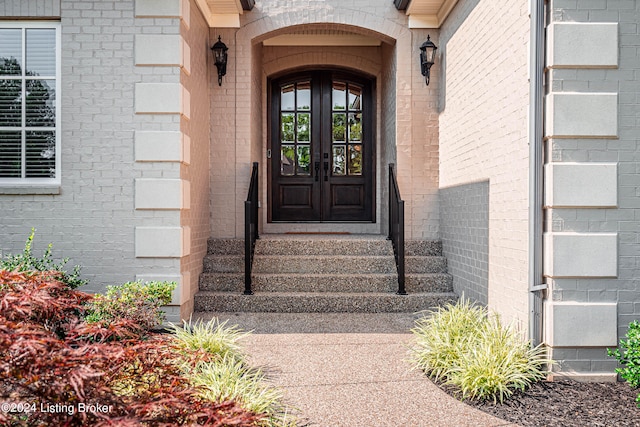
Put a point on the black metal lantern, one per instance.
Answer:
(220, 57)
(427, 57)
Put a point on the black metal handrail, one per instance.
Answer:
(396, 227)
(250, 228)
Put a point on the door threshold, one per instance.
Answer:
(319, 232)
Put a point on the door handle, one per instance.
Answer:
(317, 167)
(326, 171)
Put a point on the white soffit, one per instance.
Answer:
(429, 13)
(221, 13)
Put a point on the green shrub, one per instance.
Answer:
(136, 302)
(215, 338)
(26, 261)
(461, 345)
(629, 357)
(498, 362)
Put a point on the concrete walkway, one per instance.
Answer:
(350, 370)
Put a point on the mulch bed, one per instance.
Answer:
(568, 404)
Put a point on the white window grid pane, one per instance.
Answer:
(52, 81)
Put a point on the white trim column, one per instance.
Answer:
(577, 256)
(161, 150)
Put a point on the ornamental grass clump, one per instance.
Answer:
(463, 346)
(498, 362)
(440, 337)
(231, 380)
(213, 337)
(222, 374)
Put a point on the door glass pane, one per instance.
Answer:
(287, 133)
(355, 159)
(41, 51)
(287, 159)
(339, 95)
(339, 127)
(339, 160)
(41, 155)
(40, 103)
(288, 98)
(355, 126)
(304, 127)
(304, 160)
(11, 51)
(304, 96)
(10, 154)
(10, 102)
(355, 95)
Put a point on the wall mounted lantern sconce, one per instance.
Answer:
(427, 56)
(220, 57)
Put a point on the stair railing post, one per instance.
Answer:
(250, 227)
(247, 247)
(396, 228)
(400, 261)
(390, 233)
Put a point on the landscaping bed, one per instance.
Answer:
(472, 357)
(68, 358)
(568, 404)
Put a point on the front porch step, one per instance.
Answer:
(364, 245)
(425, 264)
(348, 283)
(323, 264)
(323, 274)
(223, 263)
(310, 302)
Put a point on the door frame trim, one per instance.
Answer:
(296, 74)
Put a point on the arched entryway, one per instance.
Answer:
(321, 147)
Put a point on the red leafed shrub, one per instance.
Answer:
(56, 370)
(39, 298)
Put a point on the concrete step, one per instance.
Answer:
(348, 283)
(221, 282)
(346, 245)
(225, 247)
(425, 264)
(223, 264)
(319, 302)
(327, 264)
(324, 264)
(423, 248)
(428, 282)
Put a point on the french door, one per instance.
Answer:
(322, 148)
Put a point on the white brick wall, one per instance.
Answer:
(483, 134)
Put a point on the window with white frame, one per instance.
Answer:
(29, 103)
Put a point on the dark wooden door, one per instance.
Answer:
(322, 148)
